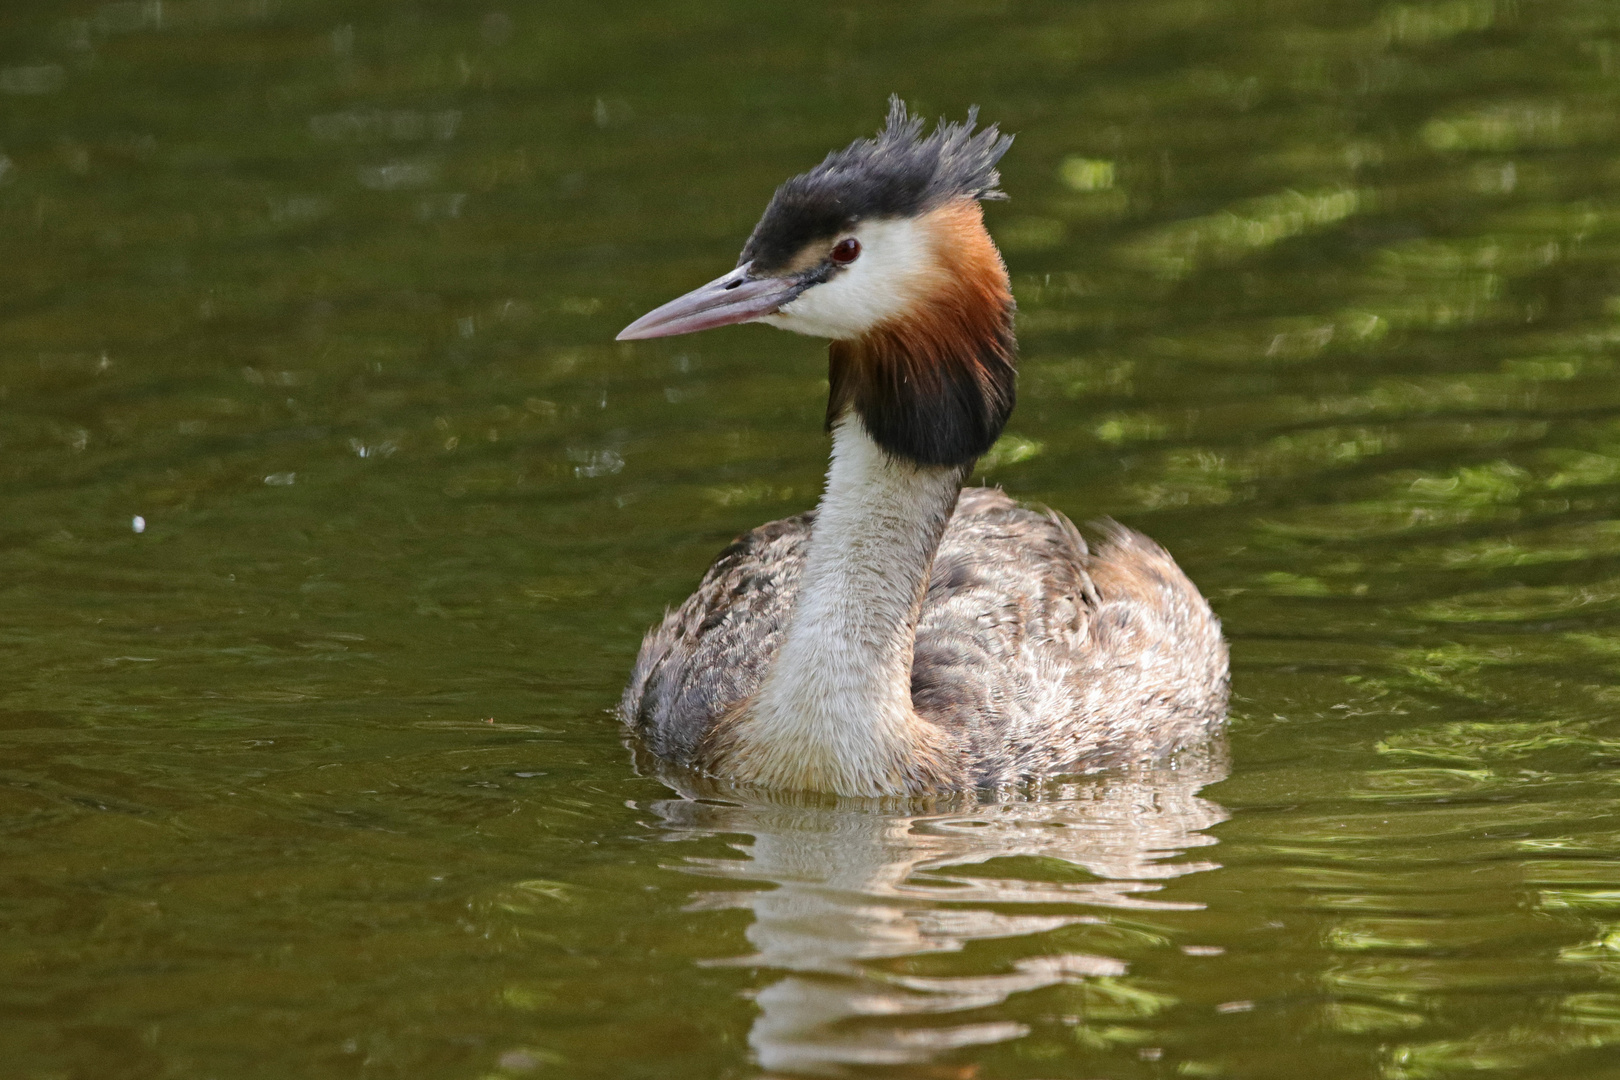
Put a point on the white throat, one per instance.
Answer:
(834, 712)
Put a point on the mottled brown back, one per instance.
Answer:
(1034, 654)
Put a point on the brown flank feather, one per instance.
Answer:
(936, 385)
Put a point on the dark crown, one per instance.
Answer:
(899, 173)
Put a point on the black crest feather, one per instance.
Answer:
(899, 173)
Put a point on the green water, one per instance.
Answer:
(313, 775)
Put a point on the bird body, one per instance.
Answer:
(908, 636)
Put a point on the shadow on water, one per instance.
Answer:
(861, 895)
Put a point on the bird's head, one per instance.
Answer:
(882, 248)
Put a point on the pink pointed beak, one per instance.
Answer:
(731, 298)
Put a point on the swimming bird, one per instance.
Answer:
(908, 636)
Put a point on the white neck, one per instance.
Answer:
(834, 713)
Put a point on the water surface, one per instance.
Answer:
(331, 516)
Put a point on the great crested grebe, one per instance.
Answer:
(908, 636)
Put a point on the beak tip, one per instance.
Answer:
(727, 300)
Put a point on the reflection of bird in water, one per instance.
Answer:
(856, 888)
(907, 635)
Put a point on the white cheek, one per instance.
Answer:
(896, 262)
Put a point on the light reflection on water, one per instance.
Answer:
(331, 515)
(855, 891)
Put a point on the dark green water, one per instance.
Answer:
(313, 777)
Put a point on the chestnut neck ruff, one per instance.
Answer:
(936, 384)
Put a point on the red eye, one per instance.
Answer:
(846, 251)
